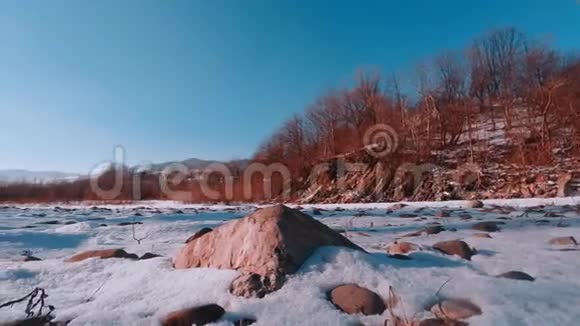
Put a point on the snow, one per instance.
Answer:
(128, 292)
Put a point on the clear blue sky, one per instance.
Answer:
(172, 79)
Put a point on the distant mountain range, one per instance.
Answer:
(195, 164)
(18, 175)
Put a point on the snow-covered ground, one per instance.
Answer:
(130, 292)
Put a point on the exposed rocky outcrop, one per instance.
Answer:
(429, 182)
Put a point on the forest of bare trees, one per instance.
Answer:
(503, 85)
(521, 87)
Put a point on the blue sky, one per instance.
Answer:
(171, 79)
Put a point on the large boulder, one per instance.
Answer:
(354, 299)
(102, 254)
(272, 242)
(194, 316)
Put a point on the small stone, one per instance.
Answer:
(455, 309)
(401, 247)
(198, 315)
(102, 254)
(398, 206)
(129, 223)
(400, 257)
(482, 235)
(564, 241)
(486, 226)
(31, 258)
(49, 222)
(354, 299)
(148, 255)
(244, 322)
(516, 275)
(441, 322)
(455, 247)
(435, 229)
(474, 204)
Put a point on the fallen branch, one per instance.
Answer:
(35, 301)
(134, 235)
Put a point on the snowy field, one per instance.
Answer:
(142, 292)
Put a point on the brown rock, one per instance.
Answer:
(148, 255)
(568, 184)
(198, 234)
(102, 254)
(354, 299)
(273, 240)
(441, 322)
(455, 309)
(455, 247)
(435, 229)
(398, 206)
(194, 316)
(474, 204)
(252, 285)
(564, 241)
(401, 247)
(482, 235)
(486, 226)
(516, 275)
